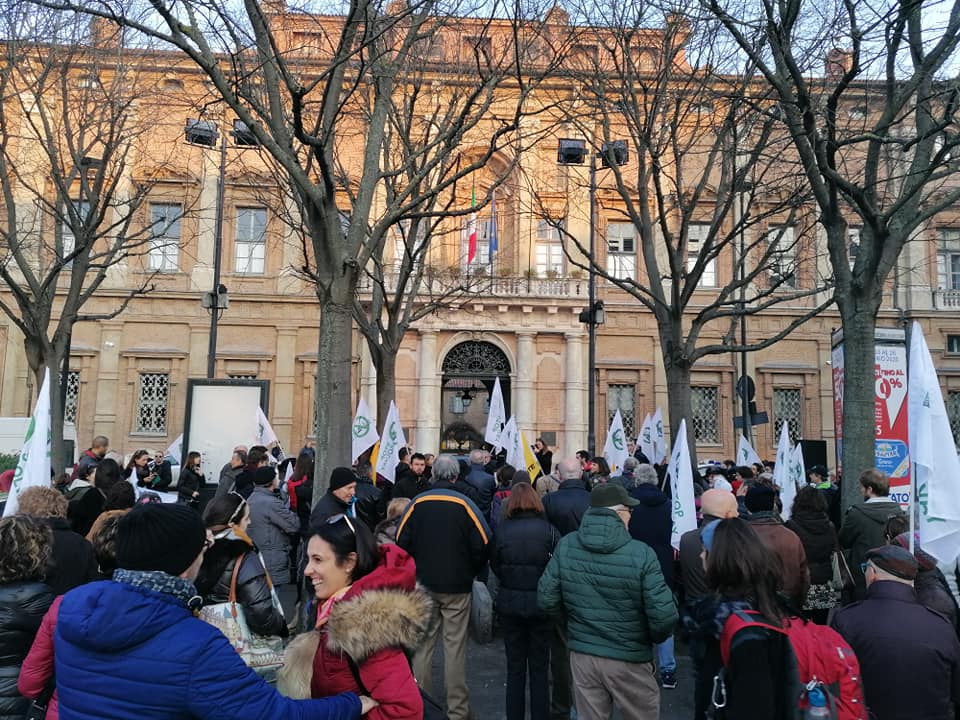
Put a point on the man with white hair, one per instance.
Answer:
(611, 590)
(481, 481)
(627, 477)
(447, 536)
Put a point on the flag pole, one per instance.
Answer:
(913, 465)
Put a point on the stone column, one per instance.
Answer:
(525, 408)
(283, 388)
(428, 400)
(368, 378)
(575, 397)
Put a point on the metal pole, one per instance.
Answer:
(744, 397)
(217, 248)
(592, 326)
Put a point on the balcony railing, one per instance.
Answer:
(946, 299)
(482, 286)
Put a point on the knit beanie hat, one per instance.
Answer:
(166, 537)
(895, 560)
(706, 534)
(341, 477)
(263, 476)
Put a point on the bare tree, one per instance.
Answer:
(707, 193)
(307, 86)
(74, 181)
(866, 94)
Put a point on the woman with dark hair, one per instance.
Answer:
(227, 517)
(191, 481)
(744, 576)
(371, 615)
(809, 520)
(300, 488)
(140, 470)
(599, 471)
(84, 502)
(523, 544)
(544, 455)
(25, 547)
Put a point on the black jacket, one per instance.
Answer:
(652, 523)
(328, 506)
(371, 507)
(85, 504)
(190, 482)
(243, 484)
(448, 538)
(22, 607)
(566, 505)
(692, 575)
(253, 591)
(819, 542)
(485, 486)
(522, 548)
(409, 484)
(72, 562)
(909, 655)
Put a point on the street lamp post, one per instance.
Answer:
(573, 152)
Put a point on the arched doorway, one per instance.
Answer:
(469, 372)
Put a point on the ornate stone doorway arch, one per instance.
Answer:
(469, 371)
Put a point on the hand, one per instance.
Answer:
(367, 704)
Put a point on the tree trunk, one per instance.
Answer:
(386, 364)
(679, 404)
(858, 448)
(333, 381)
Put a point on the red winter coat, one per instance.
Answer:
(37, 668)
(383, 614)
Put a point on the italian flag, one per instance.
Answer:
(472, 230)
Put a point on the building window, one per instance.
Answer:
(68, 239)
(697, 236)
(251, 240)
(73, 397)
(164, 236)
(783, 256)
(622, 250)
(706, 416)
(953, 412)
(487, 232)
(152, 399)
(622, 398)
(550, 259)
(948, 259)
(788, 408)
(953, 344)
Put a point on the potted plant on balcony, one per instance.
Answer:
(576, 274)
(553, 274)
(530, 273)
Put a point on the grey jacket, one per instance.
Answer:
(228, 477)
(271, 524)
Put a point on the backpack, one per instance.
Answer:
(820, 658)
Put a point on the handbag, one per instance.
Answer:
(37, 709)
(842, 580)
(262, 654)
(432, 710)
(481, 614)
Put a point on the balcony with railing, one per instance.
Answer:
(480, 285)
(944, 299)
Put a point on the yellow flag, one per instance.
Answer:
(373, 457)
(533, 465)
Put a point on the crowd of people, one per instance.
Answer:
(108, 595)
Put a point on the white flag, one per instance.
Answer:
(33, 467)
(364, 430)
(797, 472)
(265, 433)
(681, 485)
(746, 455)
(645, 438)
(496, 418)
(390, 443)
(934, 455)
(781, 472)
(513, 442)
(615, 448)
(659, 441)
(174, 453)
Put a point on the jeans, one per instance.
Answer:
(527, 644)
(666, 660)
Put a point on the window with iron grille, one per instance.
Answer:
(154, 392)
(788, 408)
(73, 397)
(622, 398)
(953, 412)
(706, 415)
(251, 240)
(164, 236)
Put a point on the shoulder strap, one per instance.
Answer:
(232, 599)
(355, 671)
(740, 620)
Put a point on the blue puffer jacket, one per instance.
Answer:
(128, 653)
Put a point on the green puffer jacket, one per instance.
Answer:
(611, 590)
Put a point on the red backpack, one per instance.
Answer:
(822, 658)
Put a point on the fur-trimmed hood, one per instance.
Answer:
(379, 618)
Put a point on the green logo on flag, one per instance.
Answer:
(618, 439)
(361, 427)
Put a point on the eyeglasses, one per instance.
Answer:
(342, 516)
(864, 566)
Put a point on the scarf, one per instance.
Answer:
(327, 606)
(160, 582)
